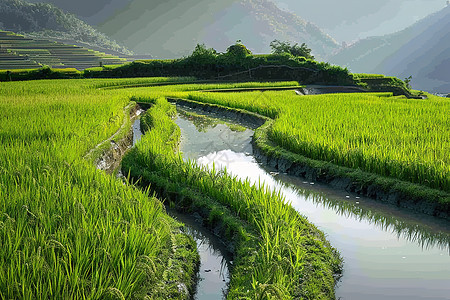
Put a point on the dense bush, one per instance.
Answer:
(236, 64)
(238, 50)
(279, 47)
(42, 73)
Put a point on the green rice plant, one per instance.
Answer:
(279, 254)
(68, 230)
(395, 137)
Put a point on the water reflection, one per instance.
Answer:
(421, 229)
(203, 123)
(224, 147)
(389, 252)
(424, 230)
(214, 259)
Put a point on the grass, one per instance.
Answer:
(278, 254)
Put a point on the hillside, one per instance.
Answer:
(92, 12)
(43, 20)
(421, 51)
(171, 28)
(19, 52)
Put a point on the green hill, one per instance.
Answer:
(42, 20)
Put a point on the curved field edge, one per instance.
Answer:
(95, 154)
(66, 229)
(277, 252)
(390, 136)
(401, 193)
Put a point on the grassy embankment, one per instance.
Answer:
(41, 73)
(400, 144)
(66, 229)
(387, 147)
(277, 253)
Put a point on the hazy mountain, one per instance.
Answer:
(349, 20)
(345, 20)
(48, 21)
(173, 28)
(421, 51)
(92, 12)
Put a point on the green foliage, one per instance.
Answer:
(377, 83)
(407, 82)
(41, 73)
(237, 64)
(45, 20)
(202, 55)
(279, 47)
(201, 50)
(238, 50)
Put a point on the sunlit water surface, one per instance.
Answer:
(215, 260)
(389, 253)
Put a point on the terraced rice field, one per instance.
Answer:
(68, 230)
(19, 52)
(395, 137)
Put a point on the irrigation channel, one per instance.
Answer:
(215, 259)
(389, 252)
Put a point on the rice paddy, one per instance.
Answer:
(395, 137)
(287, 252)
(68, 230)
(19, 52)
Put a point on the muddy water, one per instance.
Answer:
(389, 253)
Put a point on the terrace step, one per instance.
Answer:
(17, 51)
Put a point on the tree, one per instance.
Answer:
(407, 82)
(203, 55)
(201, 50)
(238, 50)
(279, 47)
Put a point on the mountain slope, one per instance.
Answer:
(92, 12)
(173, 28)
(421, 51)
(19, 52)
(349, 20)
(47, 21)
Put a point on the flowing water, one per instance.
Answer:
(389, 253)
